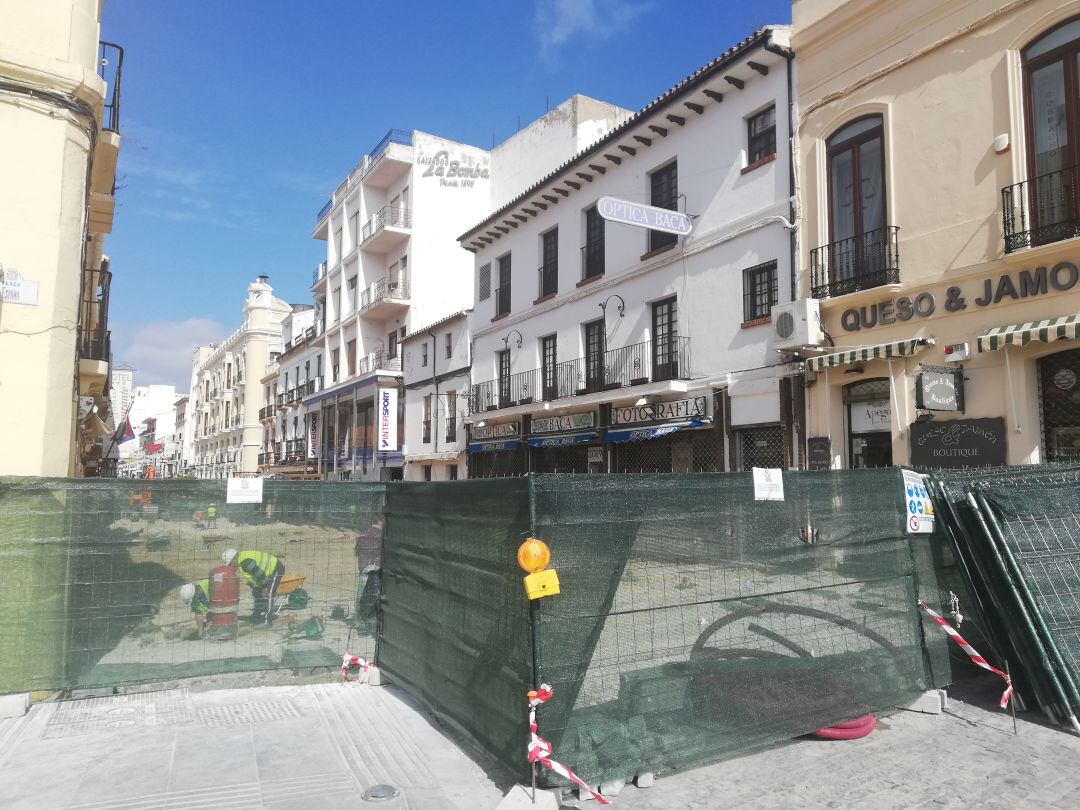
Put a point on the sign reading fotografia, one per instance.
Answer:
(679, 410)
(958, 443)
(564, 424)
(487, 433)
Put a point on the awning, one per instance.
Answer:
(639, 434)
(881, 351)
(562, 439)
(1066, 327)
(494, 447)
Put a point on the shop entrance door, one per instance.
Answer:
(1059, 401)
(869, 424)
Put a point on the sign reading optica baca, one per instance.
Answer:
(645, 216)
(490, 433)
(940, 389)
(1062, 277)
(563, 424)
(958, 443)
(678, 410)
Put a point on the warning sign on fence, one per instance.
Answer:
(919, 507)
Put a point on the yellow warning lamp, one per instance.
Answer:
(533, 556)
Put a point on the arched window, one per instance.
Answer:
(1052, 109)
(861, 253)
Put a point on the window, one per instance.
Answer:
(483, 283)
(502, 362)
(350, 357)
(337, 303)
(391, 345)
(594, 355)
(665, 322)
(449, 345)
(354, 228)
(502, 294)
(337, 245)
(427, 419)
(760, 291)
(592, 253)
(423, 355)
(548, 361)
(351, 285)
(427, 472)
(451, 472)
(664, 184)
(761, 135)
(549, 257)
(335, 366)
(451, 416)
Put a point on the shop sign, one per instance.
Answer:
(958, 443)
(1062, 277)
(596, 455)
(919, 509)
(870, 417)
(460, 173)
(388, 419)
(564, 424)
(819, 453)
(644, 216)
(509, 430)
(940, 389)
(313, 439)
(681, 409)
(17, 290)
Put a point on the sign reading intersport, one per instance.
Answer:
(644, 216)
(387, 420)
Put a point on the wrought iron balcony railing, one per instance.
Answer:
(384, 290)
(389, 216)
(319, 273)
(859, 262)
(427, 431)
(549, 279)
(95, 340)
(502, 301)
(592, 259)
(659, 360)
(110, 67)
(1042, 210)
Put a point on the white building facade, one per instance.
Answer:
(226, 388)
(602, 347)
(436, 373)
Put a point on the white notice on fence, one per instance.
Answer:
(244, 490)
(919, 507)
(768, 484)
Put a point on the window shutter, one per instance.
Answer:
(485, 282)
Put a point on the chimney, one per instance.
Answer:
(264, 279)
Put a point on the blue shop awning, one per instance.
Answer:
(494, 447)
(562, 439)
(639, 434)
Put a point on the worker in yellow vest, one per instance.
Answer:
(262, 571)
(211, 517)
(197, 594)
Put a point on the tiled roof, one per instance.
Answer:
(436, 325)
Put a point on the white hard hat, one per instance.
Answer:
(227, 555)
(187, 592)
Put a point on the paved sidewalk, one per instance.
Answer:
(313, 746)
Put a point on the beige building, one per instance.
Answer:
(940, 229)
(59, 142)
(227, 391)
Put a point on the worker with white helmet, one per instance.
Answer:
(262, 571)
(197, 594)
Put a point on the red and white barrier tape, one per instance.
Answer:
(348, 661)
(540, 749)
(976, 659)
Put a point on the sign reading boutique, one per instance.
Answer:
(958, 443)
(1062, 277)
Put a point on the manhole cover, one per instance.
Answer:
(247, 713)
(72, 718)
(379, 793)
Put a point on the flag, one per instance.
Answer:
(124, 432)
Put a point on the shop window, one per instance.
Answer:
(760, 291)
(761, 447)
(869, 423)
(664, 193)
(1059, 401)
(427, 472)
(451, 472)
(761, 135)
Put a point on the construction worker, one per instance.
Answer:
(197, 594)
(262, 571)
(211, 517)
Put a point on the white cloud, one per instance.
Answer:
(560, 21)
(160, 351)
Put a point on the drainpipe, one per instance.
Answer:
(435, 382)
(792, 158)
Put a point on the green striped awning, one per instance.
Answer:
(1066, 327)
(881, 351)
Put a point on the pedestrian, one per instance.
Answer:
(262, 571)
(211, 517)
(197, 594)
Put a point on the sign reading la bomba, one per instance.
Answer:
(462, 173)
(1062, 277)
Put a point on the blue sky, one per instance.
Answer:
(239, 117)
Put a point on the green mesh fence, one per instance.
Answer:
(693, 622)
(93, 570)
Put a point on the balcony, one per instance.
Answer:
(110, 67)
(638, 364)
(324, 210)
(1040, 211)
(319, 273)
(387, 229)
(548, 281)
(592, 260)
(266, 459)
(267, 412)
(280, 399)
(451, 430)
(378, 361)
(384, 299)
(862, 262)
(95, 339)
(389, 159)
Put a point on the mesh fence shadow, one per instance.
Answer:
(93, 571)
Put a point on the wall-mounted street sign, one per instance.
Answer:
(644, 216)
(940, 388)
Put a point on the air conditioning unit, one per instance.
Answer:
(796, 324)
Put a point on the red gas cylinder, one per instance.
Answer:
(224, 602)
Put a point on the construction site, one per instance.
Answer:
(667, 625)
